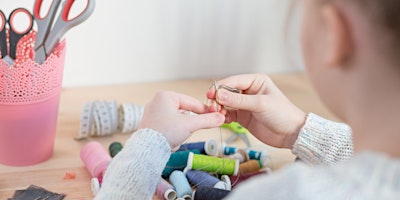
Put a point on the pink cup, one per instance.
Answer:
(29, 99)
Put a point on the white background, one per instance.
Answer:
(126, 41)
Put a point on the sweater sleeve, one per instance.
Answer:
(321, 141)
(135, 171)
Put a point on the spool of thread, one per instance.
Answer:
(258, 155)
(227, 181)
(115, 148)
(165, 190)
(250, 166)
(208, 147)
(228, 150)
(96, 158)
(209, 193)
(235, 180)
(181, 184)
(213, 164)
(201, 178)
(240, 155)
(95, 185)
(177, 161)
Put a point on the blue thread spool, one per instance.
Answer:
(209, 147)
(181, 184)
(201, 178)
(209, 193)
(177, 161)
(213, 164)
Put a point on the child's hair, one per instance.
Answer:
(383, 12)
(384, 16)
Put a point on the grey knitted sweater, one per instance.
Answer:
(329, 169)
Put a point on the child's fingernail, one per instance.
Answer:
(220, 118)
(222, 95)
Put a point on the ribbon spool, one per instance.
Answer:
(212, 164)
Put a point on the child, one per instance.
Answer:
(351, 52)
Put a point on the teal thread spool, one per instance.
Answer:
(258, 155)
(115, 148)
(228, 150)
(177, 161)
(213, 164)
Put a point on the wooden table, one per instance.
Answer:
(50, 174)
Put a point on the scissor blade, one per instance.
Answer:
(44, 23)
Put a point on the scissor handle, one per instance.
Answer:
(3, 21)
(13, 14)
(63, 24)
(3, 35)
(15, 34)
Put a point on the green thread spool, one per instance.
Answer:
(114, 148)
(213, 164)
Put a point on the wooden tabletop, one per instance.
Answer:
(50, 174)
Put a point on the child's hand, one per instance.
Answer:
(261, 108)
(170, 114)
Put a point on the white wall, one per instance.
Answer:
(147, 40)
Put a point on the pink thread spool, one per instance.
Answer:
(96, 158)
(29, 99)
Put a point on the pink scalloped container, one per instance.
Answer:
(29, 99)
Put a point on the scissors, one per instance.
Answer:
(15, 33)
(49, 34)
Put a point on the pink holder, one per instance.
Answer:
(29, 99)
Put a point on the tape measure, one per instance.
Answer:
(103, 118)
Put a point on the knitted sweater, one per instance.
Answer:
(328, 171)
